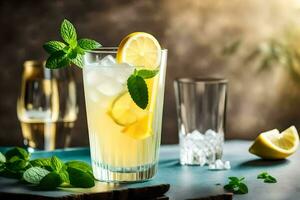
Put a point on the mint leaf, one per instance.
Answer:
(56, 163)
(68, 32)
(79, 165)
(262, 175)
(57, 60)
(2, 158)
(35, 174)
(79, 50)
(267, 177)
(146, 74)
(270, 179)
(50, 181)
(234, 179)
(242, 189)
(80, 178)
(17, 151)
(88, 44)
(16, 164)
(138, 90)
(64, 176)
(53, 46)
(78, 60)
(61, 54)
(42, 162)
(236, 185)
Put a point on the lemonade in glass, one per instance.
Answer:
(124, 92)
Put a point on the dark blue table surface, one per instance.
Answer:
(194, 181)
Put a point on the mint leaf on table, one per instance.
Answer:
(2, 158)
(146, 74)
(47, 173)
(41, 162)
(69, 51)
(88, 44)
(35, 174)
(267, 177)
(138, 90)
(262, 175)
(236, 185)
(50, 181)
(56, 163)
(68, 32)
(17, 152)
(79, 165)
(64, 176)
(16, 164)
(80, 178)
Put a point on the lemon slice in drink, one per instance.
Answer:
(124, 111)
(275, 145)
(140, 50)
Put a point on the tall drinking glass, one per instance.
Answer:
(124, 139)
(47, 106)
(201, 109)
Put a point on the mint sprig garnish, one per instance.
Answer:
(137, 86)
(267, 177)
(45, 173)
(236, 185)
(70, 50)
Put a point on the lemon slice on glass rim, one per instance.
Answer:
(140, 50)
(275, 145)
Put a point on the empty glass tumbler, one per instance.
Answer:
(201, 110)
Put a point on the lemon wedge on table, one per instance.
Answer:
(141, 50)
(275, 145)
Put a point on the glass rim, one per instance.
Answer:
(109, 50)
(198, 80)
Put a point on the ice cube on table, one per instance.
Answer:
(212, 166)
(107, 61)
(227, 165)
(219, 164)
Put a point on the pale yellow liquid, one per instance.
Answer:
(109, 145)
(46, 114)
(49, 136)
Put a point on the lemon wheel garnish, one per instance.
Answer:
(275, 145)
(140, 50)
(124, 111)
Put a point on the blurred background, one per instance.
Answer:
(252, 43)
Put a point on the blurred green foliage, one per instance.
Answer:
(282, 51)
